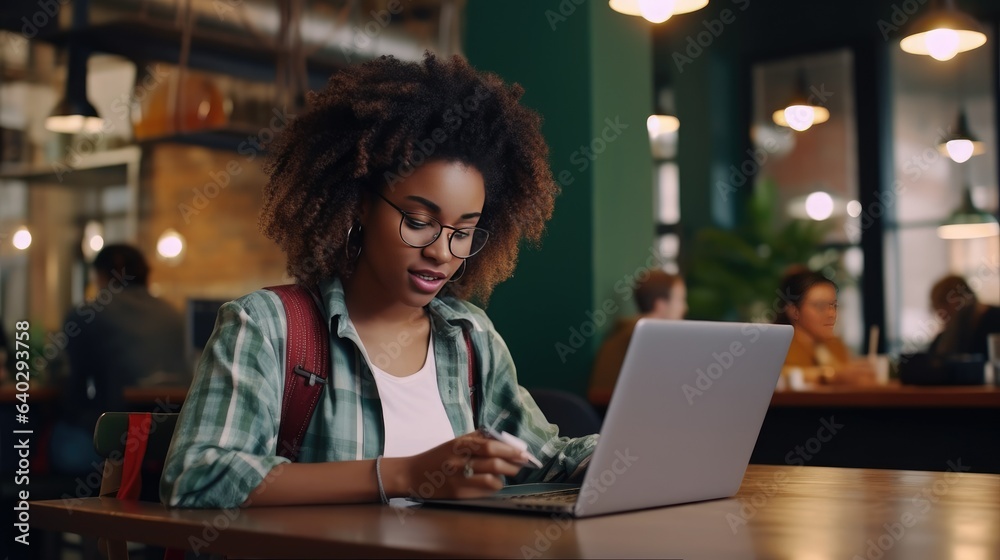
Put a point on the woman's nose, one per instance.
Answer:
(439, 250)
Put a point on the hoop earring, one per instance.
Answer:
(347, 246)
(455, 278)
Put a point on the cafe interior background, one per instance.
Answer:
(664, 138)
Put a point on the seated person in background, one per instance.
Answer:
(123, 337)
(810, 306)
(967, 321)
(659, 296)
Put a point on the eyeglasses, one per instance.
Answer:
(419, 230)
(821, 306)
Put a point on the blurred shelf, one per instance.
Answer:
(109, 167)
(232, 138)
(145, 40)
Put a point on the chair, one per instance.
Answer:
(572, 413)
(132, 444)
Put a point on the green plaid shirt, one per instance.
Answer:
(226, 438)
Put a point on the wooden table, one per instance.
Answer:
(892, 395)
(779, 512)
(891, 427)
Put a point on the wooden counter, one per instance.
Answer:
(892, 395)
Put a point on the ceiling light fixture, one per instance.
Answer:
(656, 11)
(968, 222)
(943, 33)
(961, 144)
(800, 113)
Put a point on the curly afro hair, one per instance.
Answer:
(370, 127)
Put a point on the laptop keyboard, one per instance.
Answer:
(568, 496)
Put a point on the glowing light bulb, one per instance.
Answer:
(657, 11)
(22, 239)
(854, 208)
(942, 44)
(96, 243)
(819, 206)
(960, 150)
(800, 117)
(661, 124)
(170, 244)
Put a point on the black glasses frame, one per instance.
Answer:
(441, 227)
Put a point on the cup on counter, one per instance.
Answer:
(993, 351)
(880, 363)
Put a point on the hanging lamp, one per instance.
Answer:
(800, 113)
(656, 11)
(943, 32)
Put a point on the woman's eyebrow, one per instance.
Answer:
(437, 209)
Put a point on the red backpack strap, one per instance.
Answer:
(307, 365)
(472, 378)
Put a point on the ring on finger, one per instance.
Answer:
(468, 472)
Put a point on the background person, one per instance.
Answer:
(810, 306)
(125, 337)
(967, 321)
(659, 296)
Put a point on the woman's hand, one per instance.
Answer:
(468, 466)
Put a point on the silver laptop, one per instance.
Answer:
(681, 425)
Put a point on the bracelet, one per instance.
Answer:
(378, 477)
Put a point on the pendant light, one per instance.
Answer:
(800, 113)
(943, 32)
(968, 222)
(74, 113)
(961, 144)
(656, 11)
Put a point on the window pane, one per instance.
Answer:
(668, 194)
(927, 96)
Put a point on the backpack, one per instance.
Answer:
(307, 363)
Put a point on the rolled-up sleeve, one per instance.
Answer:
(225, 441)
(563, 458)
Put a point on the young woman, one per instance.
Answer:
(402, 189)
(811, 307)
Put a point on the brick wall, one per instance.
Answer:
(212, 198)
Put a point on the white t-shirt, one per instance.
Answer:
(415, 419)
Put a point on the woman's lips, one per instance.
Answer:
(427, 282)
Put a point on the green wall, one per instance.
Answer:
(580, 65)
